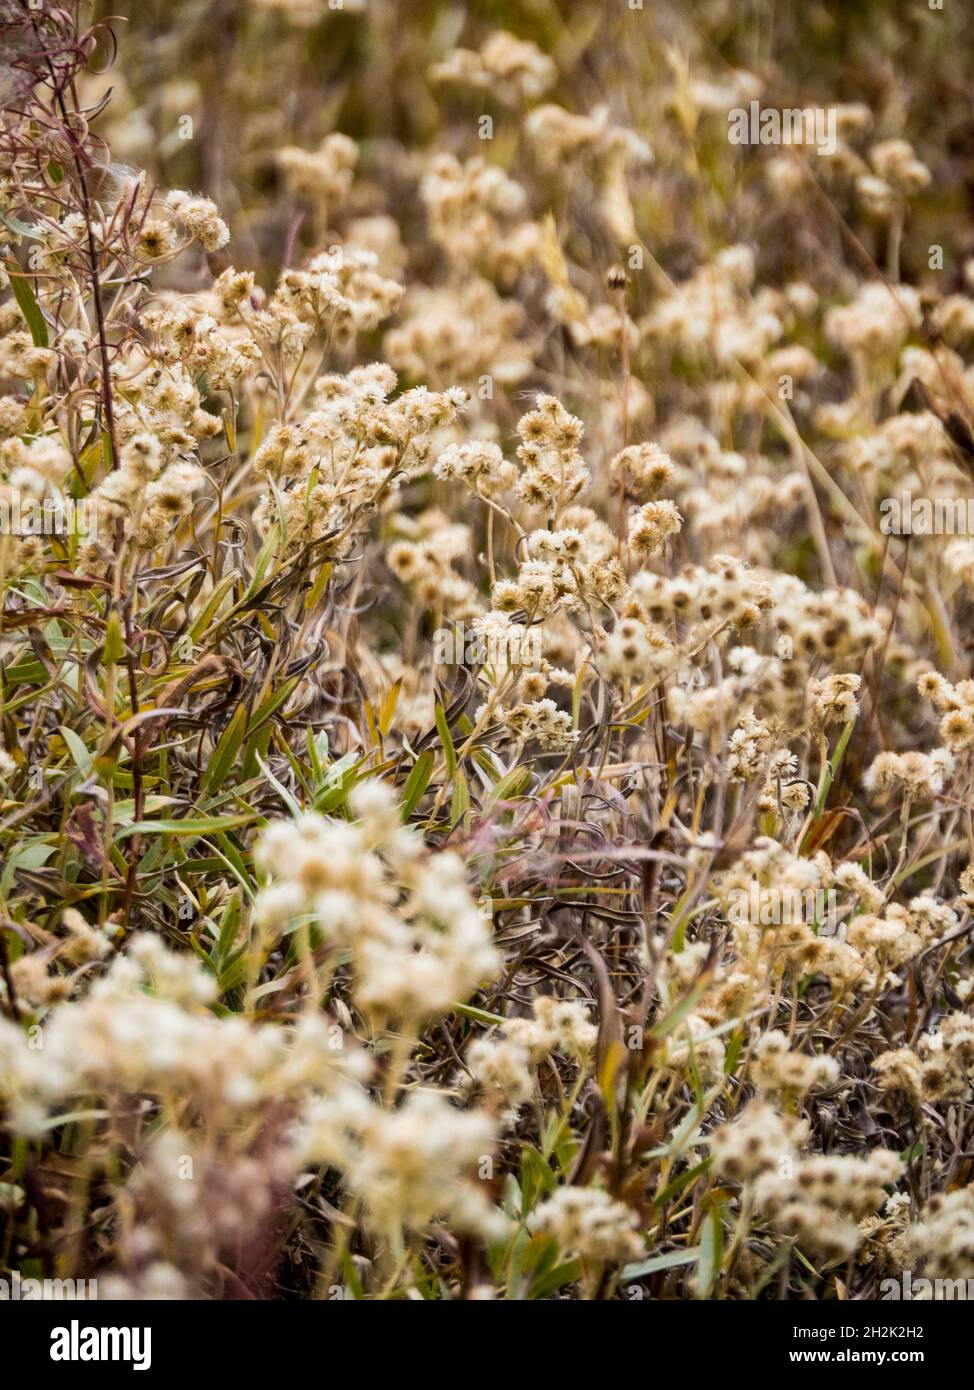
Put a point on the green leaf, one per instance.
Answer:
(317, 753)
(81, 754)
(833, 767)
(711, 1254)
(510, 785)
(477, 1015)
(672, 1260)
(260, 569)
(557, 1278)
(200, 624)
(279, 787)
(114, 650)
(32, 855)
(233, 860)
(229, 926)
(417, 782)
(446, 738)
(29, 307)
(674, 1188)
(537, 1178)
(234, 971)
(539, 1254)
(734, 1049)
(273, 702)
(191, 825)
(225, 751)
(125, 810)
(460, 807)
(679, 1012)
(21, 228)
(338, 782)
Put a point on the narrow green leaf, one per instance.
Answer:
(711, 1254)
(192, 825)
(29, 307)
(512, 784)
(81, 754)
(446, 738)
(225, 751)
(273, 702)
(417, 782)
(672, 1260)
(556, 1279)
(460, 805)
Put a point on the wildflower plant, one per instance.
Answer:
(484, 799)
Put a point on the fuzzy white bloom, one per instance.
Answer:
(145, 1029)
(589, 1224)
(502, 1065)
(418, 940)
(200, 218)
(422, 1160)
